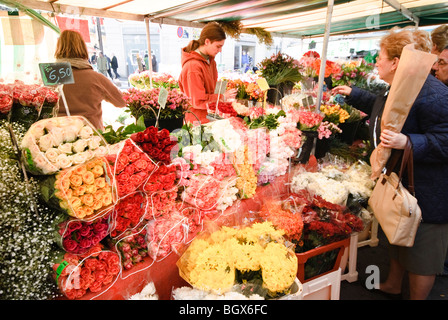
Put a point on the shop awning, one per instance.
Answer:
(292, 18)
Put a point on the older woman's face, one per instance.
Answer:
(386, 67)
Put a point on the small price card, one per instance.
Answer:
(263, 84)
(56, 73)
(163, 96)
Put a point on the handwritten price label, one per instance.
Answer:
(56, 73)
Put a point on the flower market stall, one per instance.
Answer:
(143, 212)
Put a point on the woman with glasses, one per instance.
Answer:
(427, 128)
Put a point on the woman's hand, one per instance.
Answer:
(344, 90)
(393, 140)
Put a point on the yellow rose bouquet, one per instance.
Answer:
(231, 258)
(81, 191)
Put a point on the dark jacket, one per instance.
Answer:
(373, 105)
(114, 63)
(427, 127)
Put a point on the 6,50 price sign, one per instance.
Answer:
(56, 73)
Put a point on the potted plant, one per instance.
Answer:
(145, 103)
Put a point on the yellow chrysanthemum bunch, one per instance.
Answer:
(334, 113)
(211, 261)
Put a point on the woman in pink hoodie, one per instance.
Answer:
(199, 73)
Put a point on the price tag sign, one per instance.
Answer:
(263, 84)
(163, 96)
(56, 73)
(221, 87)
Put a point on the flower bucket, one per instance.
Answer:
(326, 259)
(306, 150)
(169, 124)
(322, 147)
(349, 130)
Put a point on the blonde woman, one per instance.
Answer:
(84, 97)
(427, 128)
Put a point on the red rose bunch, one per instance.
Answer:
(79, 236)
(128, 213)
(157, 144)
(132, 167)
(163, 178)
(132, 247)
(225, 109)
(6, 100)
(76, 275)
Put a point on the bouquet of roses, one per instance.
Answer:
(156, 143)
(145, 103)
(161, 203)
(81, 191)
(131, 166)
(161, 191)
(76, 275)
(128, 212)
(30, 103)
(57, 143)
(78, 236)
(6, 99)
(165, 235)
(131, 246)
(163, 178)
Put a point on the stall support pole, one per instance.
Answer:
(148, 38)
(324, 53)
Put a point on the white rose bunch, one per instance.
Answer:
(57, 143)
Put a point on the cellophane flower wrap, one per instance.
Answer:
(93, 272)
(51, 145)
(166, 234)
(131, 245)
(82, 191)
(79, 236)
(156, 143)
(161, 190)
(128, 213)
(221, 257)
(131, 166)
